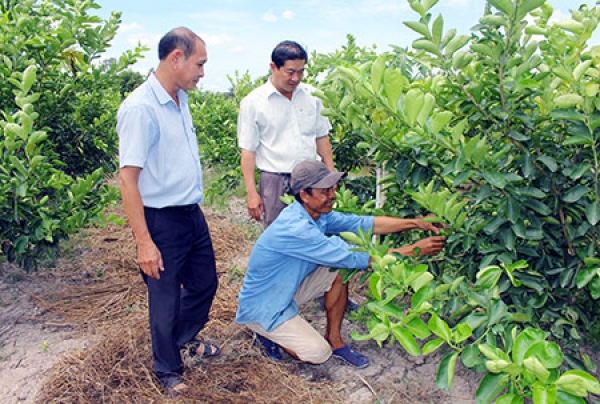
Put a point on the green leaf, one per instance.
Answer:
(528, 166)
(575, 194)
(568, 100)
(437, 30)
(422, 280)
(535, 367)
(495, 179)
(462, 332)
(377, 70)
(350, 237)
(490, 387)
(419, 27)
(578, 382)
(586, 276)
(580, 170)
(544, 394)
(428, 4)
(471, 357)
(571, 25)
(511, 399)
(29, 76)
(566, 398)
(538, 206)
(548, 162)
(422, 297)
(445, 374)
(455, 44)
(440, 120)
(440, 328)
(427, 45)
(581, 69)
(407, 340)
(376, 285)
(418, 327)
(393, 83)
(505, 6)
(493, 353)
(497, 310)
(413, 102)
(425, 112)
(547, 352)
(524, 341)
(432, 346)
(488, 277)
(528, 6)
(592, 213)
(483, 49)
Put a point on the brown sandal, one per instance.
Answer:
(174, 386)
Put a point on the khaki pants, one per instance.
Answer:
(297, 334)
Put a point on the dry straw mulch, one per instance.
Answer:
(98, 289)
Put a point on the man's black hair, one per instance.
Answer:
(178, 38)
(288, 50)
(308, 191)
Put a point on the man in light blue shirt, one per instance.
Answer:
(290, 262)
(161, 186)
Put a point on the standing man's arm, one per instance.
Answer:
(255, 204)
(324, 150)
(148, 256)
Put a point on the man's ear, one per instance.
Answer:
(175, 57)
(302, 194)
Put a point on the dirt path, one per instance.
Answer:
(31, 342)
(28, 346)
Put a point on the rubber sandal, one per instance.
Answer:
(209, 351)
(269, 348)
(351, 357)
(352, 306)
(170, 384)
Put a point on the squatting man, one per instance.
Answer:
(290, 265)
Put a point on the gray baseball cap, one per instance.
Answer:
(313, 174)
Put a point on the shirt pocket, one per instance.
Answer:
(307, 121)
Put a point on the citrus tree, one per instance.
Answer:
(496, 133)
(58, 108)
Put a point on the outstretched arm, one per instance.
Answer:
(388, 225)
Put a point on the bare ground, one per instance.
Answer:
(77, 333)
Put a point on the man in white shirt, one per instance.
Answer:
(280, 124)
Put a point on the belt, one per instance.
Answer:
(272, 173)
(182, 208)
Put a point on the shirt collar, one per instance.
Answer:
(272, 90)
(161, 94)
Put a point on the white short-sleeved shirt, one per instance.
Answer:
(158, 136)
(280, 131)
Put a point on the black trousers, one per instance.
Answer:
(180, 300)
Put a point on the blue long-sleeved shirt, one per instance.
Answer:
(290, 249)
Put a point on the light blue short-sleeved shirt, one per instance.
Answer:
(290, 249)
(159, 137)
